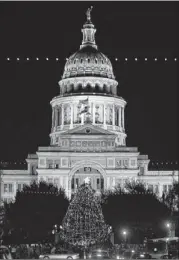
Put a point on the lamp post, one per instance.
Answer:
(124, 233)
(168, 226)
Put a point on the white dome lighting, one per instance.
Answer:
(47, 58)
(37, 58)
(136, 59)
(27, 59)
(145, 59)
(165, 59)
(18, 59)
(126, 59)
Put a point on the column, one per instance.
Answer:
(52, 117)
(123, 118)
(113, 116)
(104, 116)
(56, 114)
(120, 116)
(108, 182)
(62, 115)
(66, 184)
(113, 182)
(82, 119)
(93, 113)
(72, 109)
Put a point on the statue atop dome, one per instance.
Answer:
(88, 14)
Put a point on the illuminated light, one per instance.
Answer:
(47, 58)
(116, 59)
(165, 59)
(175, 59)
(126, 59)
(8, 58)
(66, 58)
(155, 59)
(37, 58)
(27, 59)
(136, 59)
(18, 59)
(145, 59)
(57, 58)
(168, 225)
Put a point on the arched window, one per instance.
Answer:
(96, 61)
(88, 60)
(81, 60)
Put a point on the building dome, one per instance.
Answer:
(88, 70)
(88, 61)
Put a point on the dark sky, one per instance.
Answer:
(124, 29)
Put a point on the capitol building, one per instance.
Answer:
(88, 137)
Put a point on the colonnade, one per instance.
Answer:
(70, 114)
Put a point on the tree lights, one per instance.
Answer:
(84, 223)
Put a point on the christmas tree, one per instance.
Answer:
(83, 224)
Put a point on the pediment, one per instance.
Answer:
(87, 129)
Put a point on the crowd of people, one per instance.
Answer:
(29, 251)
(33, 251)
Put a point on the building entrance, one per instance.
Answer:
(97, 180)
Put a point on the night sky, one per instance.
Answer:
(53, 29)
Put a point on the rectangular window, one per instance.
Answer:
(77, 183)
(98, 186)
(19, 187)
(132, 162)
(50, 180)
(102, 184)
(50, 166)
(56, 181)
(10, 188)
(156, 189)
(5, 188)
(72, 184)
(164, 188)
(169, 187)
(150, 187)
(56, 166)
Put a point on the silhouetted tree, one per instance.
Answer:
(135, 208)
(36, 209)
(172, 197)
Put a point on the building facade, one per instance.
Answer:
(87, 136)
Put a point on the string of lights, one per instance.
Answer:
(152, 163)
(126, 59)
